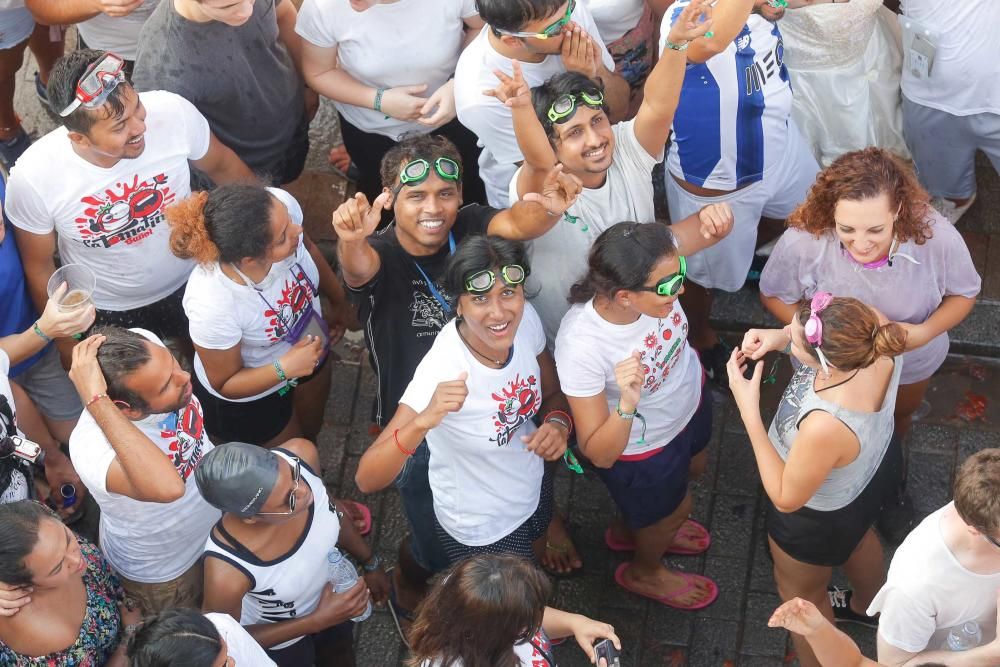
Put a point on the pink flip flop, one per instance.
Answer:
(366, 515)
(692, 528)
(668, 600)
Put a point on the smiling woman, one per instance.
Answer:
(76, 615)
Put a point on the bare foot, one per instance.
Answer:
(687, 538)
(555, 550)
(663, 582)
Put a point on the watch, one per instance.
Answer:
(373, 563)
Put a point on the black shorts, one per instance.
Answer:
(829, 538)
(165, 318)
(303, 652)
(254, 422)
(651, 489)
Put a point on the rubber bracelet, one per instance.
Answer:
(372, 564)
(95, 398)
(675, 47)
(41, 334)
(377, 104)
(399, 445)
(625, 415)
(561, 417)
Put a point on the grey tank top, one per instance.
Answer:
(873, 430)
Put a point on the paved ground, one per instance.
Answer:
(964, 418)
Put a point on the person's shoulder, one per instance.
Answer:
(473, 219)
(86, 437)
(42, 156)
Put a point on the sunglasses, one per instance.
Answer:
(296, 465)
(548, 32)
(483, 281)
(670, 285)
(565, 106)
(97, 83)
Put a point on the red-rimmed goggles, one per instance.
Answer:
(97, 83)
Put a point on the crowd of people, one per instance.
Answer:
(167, 324)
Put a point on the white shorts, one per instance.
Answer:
(783, 187)
(16, 26)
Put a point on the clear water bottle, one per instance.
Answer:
(965, 637)
(343, 576)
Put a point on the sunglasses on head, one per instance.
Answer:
(669, 285)
(483, 281)
(565, 106)
(549, 31)
(296, 465)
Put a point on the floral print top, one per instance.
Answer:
(101, 629)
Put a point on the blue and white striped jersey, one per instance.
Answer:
(732, 120)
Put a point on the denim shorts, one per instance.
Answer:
(414, 488)
(651, 489)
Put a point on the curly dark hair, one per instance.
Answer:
(866, 174)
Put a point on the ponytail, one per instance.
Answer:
(225, 225)
(889, 341)
(188, 237)
(852, 335)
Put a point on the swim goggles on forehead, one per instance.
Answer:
(814, 326)
(565, 105)
(483, 281)
(777, 4)
(552, 30)
(97, 83)
(670, 285)
(417, 171)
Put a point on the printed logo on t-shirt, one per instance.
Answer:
(541, 648)
(185, 429)
(661, 350)
(519, 401)
(296, 300)
(427, 313)
(271, 608)
(126, 213)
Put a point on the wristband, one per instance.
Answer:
(373, 563)
(41, 334)
(377, 104)
(280, 371)
(561, 417)
(675, 47)
(95, 398)
(788, 348)
(399, 445)
(625, 415)
(289, 382)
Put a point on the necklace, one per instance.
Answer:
(498, 364)
(838, 383)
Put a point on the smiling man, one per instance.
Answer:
(136, 448)
(99, 184)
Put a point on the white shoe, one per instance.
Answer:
(950, 210)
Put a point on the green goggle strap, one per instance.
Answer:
(673, 286)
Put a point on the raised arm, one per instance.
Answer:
(584, 54)
(662, 89)
(703, 229)
(603, 435)
(729, 17)
(140, 470)
(52, 324)
(355, 221)
(539, 210)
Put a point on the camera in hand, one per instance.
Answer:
(605, 649)
(20, 448)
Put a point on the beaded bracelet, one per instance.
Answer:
(95, 398)
(41, 334)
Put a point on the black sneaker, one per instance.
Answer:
(714, 360)
(840, 600)
(41, 92)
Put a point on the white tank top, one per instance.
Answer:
(289, 586)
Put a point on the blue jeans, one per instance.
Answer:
(418, 505)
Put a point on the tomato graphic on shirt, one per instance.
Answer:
(296, 298)
(518, 402)
(185, 429)
(124, 213)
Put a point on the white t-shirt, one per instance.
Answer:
(527, 653)
(17, 489)
(965, 74)
(490, 119)
(404, 43)
(146, 541)
(111, 219)
(928, 592)
(222, 312)
(117, 34)
(589, 347)
(614, 18)
(485, 483)
(559, 257)
(240, 645)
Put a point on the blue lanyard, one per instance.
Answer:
(431, 287)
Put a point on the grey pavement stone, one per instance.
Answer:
(713, 643)
(933, 438)
(970, 442)
(758, 639)
(737, 466)
(929, 480)
(731, 576)
(762, 568)
(762, 661)
(732, 526)
(377, 643)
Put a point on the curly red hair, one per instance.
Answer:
(866, 174)
(189, 238)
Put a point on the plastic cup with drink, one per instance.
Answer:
(80, 283)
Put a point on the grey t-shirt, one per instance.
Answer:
(242, 79)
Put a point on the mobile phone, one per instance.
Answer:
(605, 649)
(26, 449)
